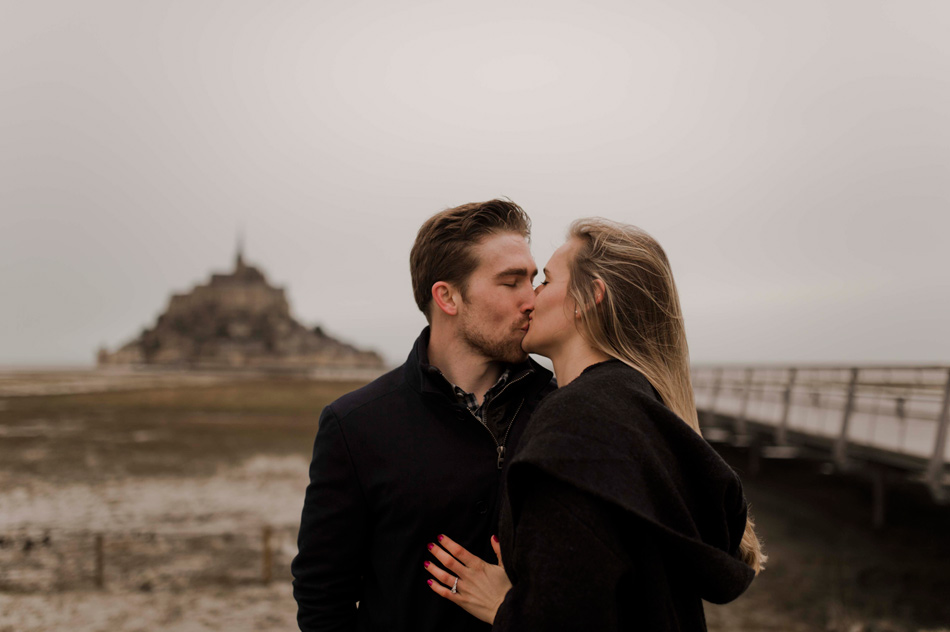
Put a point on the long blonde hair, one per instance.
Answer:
(639, 321)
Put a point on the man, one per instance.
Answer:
(421, 450)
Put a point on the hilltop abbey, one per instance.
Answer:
(236, 320)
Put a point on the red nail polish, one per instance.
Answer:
(494, 538)
(429, 581)
(440, 537)
(430, 546)
(426, 564)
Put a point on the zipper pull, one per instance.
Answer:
(501, 456)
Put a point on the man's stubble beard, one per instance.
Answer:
(507, 350)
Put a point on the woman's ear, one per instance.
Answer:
(445, 298)
(600, 290)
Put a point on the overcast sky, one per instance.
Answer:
(792, 157)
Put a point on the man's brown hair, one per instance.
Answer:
(443, 247)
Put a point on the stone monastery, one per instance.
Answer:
(236, 320)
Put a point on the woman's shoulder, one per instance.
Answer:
(608, 378)
(608, 433)
(604, 393)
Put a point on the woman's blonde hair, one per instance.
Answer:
(638, 320)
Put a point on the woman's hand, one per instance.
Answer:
(480, 587)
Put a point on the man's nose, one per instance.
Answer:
(528, 303)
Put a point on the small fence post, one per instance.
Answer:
(741, 426)
(267, 555)
(934, 474)
(100, 576)
(782, 434)
(841, 444)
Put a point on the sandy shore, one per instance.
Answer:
(240, 609)
(180, 483)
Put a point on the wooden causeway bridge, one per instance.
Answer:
(886, 421)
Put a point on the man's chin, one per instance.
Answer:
(522, 357)
(526, 344)
(506, 350)
(516, 355)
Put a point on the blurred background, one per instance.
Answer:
(206, 210)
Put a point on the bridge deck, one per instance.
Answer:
(893, 416)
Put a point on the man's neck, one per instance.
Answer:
(461, 365)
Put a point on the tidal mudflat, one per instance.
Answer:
(148, 505)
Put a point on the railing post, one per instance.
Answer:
(754, 458)
(879, 483)
(901, 413)
(717, 386)
(782, 434)
(935, 467)
(841, 444)
(742, 427)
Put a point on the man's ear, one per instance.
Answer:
(445, 297)
(600, 290)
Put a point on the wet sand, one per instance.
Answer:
(180, 483)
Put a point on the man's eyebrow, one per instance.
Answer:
(512, 272)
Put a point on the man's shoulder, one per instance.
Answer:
(373, 395)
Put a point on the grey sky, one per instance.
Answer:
(792, 157)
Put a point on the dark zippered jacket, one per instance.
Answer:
(395, 464)
(616, 514)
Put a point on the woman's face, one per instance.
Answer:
(552, 322)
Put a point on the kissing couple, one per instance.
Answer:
(471, 490)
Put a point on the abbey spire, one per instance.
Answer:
(239, 257)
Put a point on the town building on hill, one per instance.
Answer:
(236, 320)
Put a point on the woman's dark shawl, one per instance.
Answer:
(608, 434)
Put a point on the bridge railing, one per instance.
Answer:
(895, 413)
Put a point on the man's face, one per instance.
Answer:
(493, 317)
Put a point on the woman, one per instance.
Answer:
(616, 515)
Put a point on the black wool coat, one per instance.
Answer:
(395, 464)
(617, 515)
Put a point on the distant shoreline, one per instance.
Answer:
(37, 381)
(45, 368)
